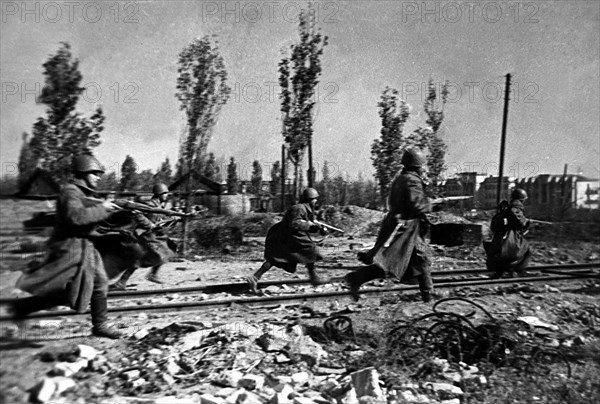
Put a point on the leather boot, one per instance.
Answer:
(253, 279)
(315, 279)
(427, 297)
(121, 284)
(100, 327)
(366, 257)
(153, 275)
(23, 307)
(362, 275)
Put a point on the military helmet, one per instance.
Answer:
(86, 163)
(309, 193)
(518, 193)
(413, 157)
(515, 203)
(160, 188)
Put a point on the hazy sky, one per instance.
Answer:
(128, 53)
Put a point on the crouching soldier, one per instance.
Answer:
(157, 246)
(73, 273)
(400, 247)
(289, 242)
(509, 250)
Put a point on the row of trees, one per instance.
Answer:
(202, 91)
(387, 151)
(338, 190)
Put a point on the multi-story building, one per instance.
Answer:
(466, 183)
(554, 195)
(549, 195)
(487, 195)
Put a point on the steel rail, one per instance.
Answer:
(292, 299)
(243, 287)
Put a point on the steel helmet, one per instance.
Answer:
(309, 193)
(160, 188)
(518, 193)
(86, 163)
(413, 157)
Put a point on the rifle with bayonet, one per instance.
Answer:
(128, 205)
(539, 221)
(328, 227)
(445, 199)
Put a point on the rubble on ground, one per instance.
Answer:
(448, 356)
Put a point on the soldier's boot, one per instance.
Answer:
(253, 279)
(361, 276)
(23, 307)
(121, 284)
(426, 286)
(366, 257)
(100, 327)
(153, 275)
(315, 279)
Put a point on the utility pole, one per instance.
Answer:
(283, 178)
(310, 163)
(311, 169)
(503, 140)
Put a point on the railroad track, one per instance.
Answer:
(443, 279)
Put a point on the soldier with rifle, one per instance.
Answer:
(400, 247)
(158, 248)
(289, 241)
(509, 250)
(73, 273)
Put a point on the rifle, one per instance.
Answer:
(539, 221)
(128, 205)
(437, 201)
(328, 227)
(392, 236)
(196, 215)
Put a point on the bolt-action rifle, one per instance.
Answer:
(328, 227)
(437, 201)
(128, 205)
(539, 221)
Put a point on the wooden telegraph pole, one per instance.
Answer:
(503, 140)
(283, 178)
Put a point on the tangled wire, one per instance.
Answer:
(456, 338)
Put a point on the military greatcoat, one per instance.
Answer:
(407, 201)
(289, 242)
(72, 260)
(510, 219)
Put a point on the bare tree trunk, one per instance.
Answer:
(296, 178)
(184, 222)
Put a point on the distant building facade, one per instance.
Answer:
(465, 184)
(554, 195)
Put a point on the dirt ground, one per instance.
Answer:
(572, 309)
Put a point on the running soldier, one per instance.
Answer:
(289, 242)
(408, 255)
(154, 241)
(509, 250)
(73, 273)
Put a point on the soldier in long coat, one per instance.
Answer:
(509, 252)
(73, 273)
(289, 242)
(407, 256)
(154, 242)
